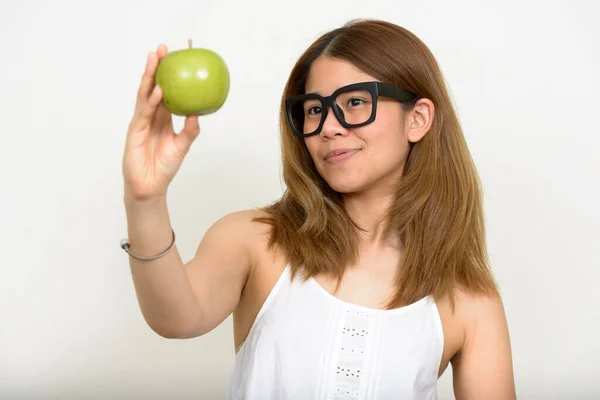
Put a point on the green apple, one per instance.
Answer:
(194, 81)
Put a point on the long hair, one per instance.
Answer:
(438, 209)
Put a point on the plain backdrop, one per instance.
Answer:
(523, 76)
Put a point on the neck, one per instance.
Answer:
(368, 210)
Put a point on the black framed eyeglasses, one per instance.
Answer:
(354, 105)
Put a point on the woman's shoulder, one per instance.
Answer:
(471, 311)
(472, 306)
(483, 340)
(248, 227)
(247, 220)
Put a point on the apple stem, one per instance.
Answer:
(190, 43)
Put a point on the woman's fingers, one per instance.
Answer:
(162, 50)
(163, 120)
(149, 94)
(147, 82)
(190, 131)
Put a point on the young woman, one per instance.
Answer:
(370, 275)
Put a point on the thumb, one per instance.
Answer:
(190, 131)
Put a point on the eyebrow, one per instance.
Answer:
(329, 94)
(313, 91)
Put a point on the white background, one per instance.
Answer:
(523, 76)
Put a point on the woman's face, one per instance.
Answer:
(375, 154)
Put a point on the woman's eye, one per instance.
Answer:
(355, 102)
(314, 110)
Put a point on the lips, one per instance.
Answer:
(338, 155)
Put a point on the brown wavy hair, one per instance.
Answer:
(438, 207)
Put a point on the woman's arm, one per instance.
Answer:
(181, 300)
(483, 368)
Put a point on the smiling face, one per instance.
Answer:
(356, 159)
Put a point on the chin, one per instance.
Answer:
(345, 186)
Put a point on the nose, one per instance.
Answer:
(331, 125)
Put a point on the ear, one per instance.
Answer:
(419, 120)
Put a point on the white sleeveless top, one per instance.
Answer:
(307, 344)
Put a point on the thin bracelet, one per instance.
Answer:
(125, 246)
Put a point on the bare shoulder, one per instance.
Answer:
(225, 261)
(242, 224)
(478, 315)
(470, 305)
(242, 218)
(483, 366)
(474, 309)
(243, 230)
